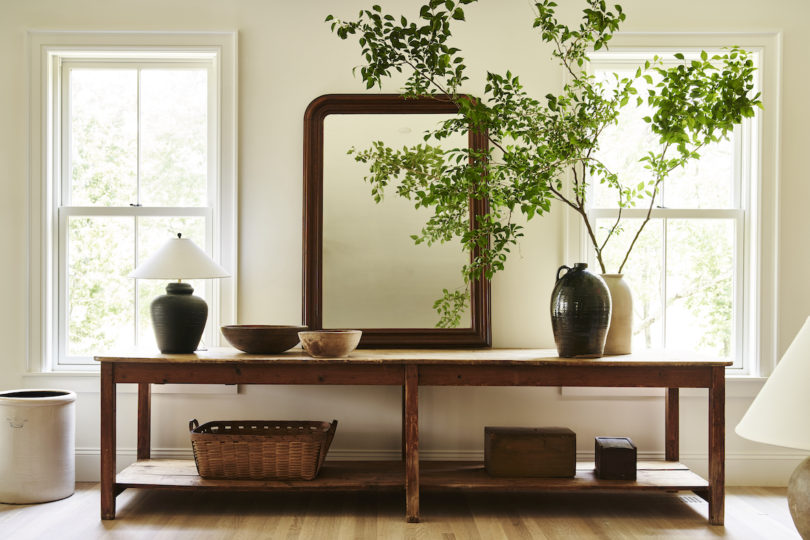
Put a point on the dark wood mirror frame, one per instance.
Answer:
(480, 333)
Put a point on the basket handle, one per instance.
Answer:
(193, 425)
(330, 434)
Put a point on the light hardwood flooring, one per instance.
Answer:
(751, 513)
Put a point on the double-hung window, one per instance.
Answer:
(694, 270)
(135, 150)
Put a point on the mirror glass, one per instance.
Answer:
(374, 275)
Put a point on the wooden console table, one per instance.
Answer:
(411, 369)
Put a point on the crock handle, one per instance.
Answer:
(568, 269)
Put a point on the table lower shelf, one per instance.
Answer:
(434, 475)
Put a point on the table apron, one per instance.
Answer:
(429, 375)
(592, 375)
(258, 374)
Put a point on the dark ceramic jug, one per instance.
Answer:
(580, 312)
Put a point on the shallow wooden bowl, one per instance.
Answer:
(262, 338)
(330, 343)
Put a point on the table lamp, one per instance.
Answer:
(178, 316)
(778, 416)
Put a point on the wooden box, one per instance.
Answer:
(537, 452)
(615, 458)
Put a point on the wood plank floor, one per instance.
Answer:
(751, 513)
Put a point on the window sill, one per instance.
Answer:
(87, 382)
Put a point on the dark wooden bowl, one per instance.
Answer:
(262, 338)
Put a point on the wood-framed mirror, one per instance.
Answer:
(361, 268)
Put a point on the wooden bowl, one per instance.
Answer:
(330, 343)
(262, 338)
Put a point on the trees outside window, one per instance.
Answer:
(688, 268)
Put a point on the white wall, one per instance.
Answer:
(287, 57)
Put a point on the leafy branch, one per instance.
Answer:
(540, 150)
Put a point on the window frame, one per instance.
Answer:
(757, 230)
(739, 213)
(51, 54)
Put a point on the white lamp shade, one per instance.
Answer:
(778, 414)
(179, 258)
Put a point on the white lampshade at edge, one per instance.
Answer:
(179, 258)
(778, 415)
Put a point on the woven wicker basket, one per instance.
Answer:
(249, 450)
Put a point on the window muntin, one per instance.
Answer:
(690, 271)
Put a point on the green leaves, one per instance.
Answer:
(701, 102)
(450, 307)
(539, 150)
(389, 44)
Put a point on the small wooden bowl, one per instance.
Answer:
(330, 343)
(262, 338)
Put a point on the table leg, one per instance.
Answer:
(672, 425)
(144, 420)
(402, 440)
(412, 443)
(717, 442)
(107, 441)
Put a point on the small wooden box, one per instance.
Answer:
(615, 458)
(548, 452)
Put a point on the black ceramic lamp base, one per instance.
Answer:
(178, 318)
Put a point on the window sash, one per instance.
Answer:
(743, 182)
(62, 191)
(741, 278)
(60, 300)
(64, 142)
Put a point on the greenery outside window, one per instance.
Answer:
(692, 270)
(136, 147)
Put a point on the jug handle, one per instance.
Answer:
(568, 269)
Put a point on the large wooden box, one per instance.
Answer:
(615, 458)
(536, 452)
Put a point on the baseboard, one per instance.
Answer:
(742, 469)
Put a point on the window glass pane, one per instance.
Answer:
(153, 232)
(622, 145)
(103, 137)
(700, 285)
(703, 183)
(643, 273)
(368, 269)
(100, 255)
(174, 137)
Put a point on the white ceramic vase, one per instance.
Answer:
(620, 332)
